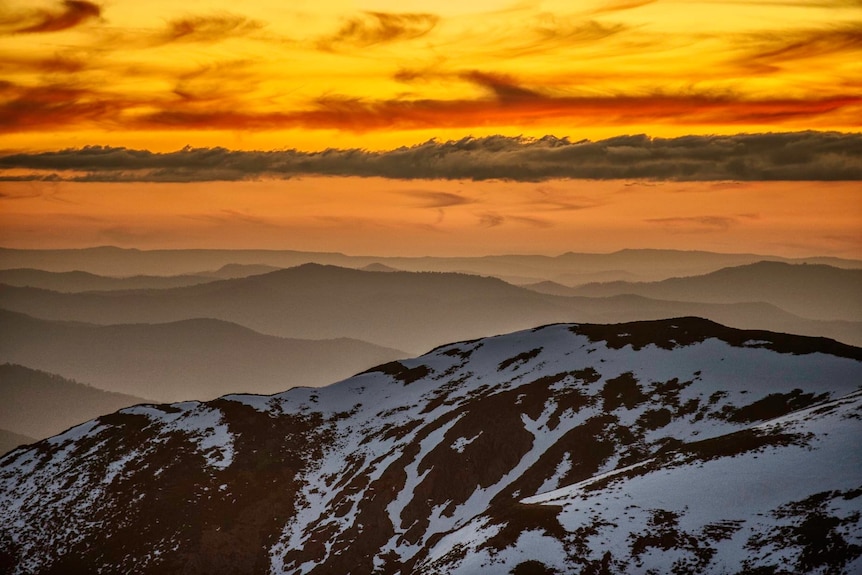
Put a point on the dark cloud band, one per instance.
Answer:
(771, 156)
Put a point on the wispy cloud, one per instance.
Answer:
(621, 5)
(771, 156)
(695, 223)
(226, 216)
(508, 103)
(52, 105)
(490, 220)
(212, 28)
(67, 14)
(770, 51)
(436, 200)
(371, 28)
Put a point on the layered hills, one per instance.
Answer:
(666, 446)
(568, 268)
(403, 310)
(813, 291)
(79, 281)
(194, 358)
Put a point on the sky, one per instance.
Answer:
(413, 127)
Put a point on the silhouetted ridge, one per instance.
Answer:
(683, 331)
(414, 311)
(808, 290)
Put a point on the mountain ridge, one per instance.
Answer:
(650, 264)
(320, 301)
(389, 470)
(807, 290)
(196, 357)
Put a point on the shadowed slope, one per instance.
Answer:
(40, 404)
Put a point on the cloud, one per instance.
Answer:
(548, 32)
(228, 217)
(67, 15)
(201, 102)
(509, 104)
(209, 28)
(775, 50)
(621, 5)
(531, 221)
(378, 28)
(742, 157)
(504, 88)
(695, 223)
(57, 63)
(493, 220)
(490, 220)
(25, 108)
(438, 200)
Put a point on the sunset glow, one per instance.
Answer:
(375, 75)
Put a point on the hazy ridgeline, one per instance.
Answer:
(246, 325)
(569, 268)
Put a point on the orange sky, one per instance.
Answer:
(422, 217)
(378, 74)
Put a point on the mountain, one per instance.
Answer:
(378, 267)
(569, 268)
(414, 311)
(39, 404)
(196, 358)
(813, 291)
(78, 281)
(403, 310)
(10, 440)
(229, 271)
(674, 446)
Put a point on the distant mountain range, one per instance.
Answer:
(196, 358)
(673, 446)
(401, 310)
(813, 291)
(78, 281)
(569, 268)
(38, 404)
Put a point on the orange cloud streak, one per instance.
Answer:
(72, 13)
(53, 106)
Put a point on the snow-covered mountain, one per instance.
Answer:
(674, 446)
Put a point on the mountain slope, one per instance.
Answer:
(478, 457)
(401, 310)
(814, 291)
(202, 358)
(40, 404)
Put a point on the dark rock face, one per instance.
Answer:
(673, 446)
